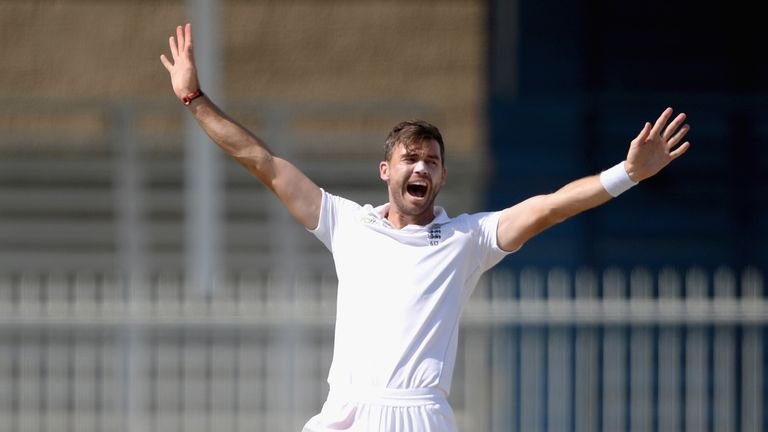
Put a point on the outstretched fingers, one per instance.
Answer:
(674, 126)
(180, 39)
(180, 44)
(174, 47)
(661, 121)
(188, 37)
(680, 150)
(677, 137)
(644, 132)
(167, 63)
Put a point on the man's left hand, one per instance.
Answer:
(656, 146)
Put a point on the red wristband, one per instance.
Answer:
(186, 100)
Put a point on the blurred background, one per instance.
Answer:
(149, 283)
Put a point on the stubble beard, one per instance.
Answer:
(400, 201)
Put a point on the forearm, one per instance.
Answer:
(575, 197)
(233, 138)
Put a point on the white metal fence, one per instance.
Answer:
(641, 350)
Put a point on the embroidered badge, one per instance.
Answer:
(434, 236)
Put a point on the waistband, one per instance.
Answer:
(387, 396)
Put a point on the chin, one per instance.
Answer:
(418, 210)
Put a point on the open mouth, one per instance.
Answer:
(417, 190)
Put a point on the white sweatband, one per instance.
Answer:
(615, 180)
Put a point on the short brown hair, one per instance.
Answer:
(410, 132)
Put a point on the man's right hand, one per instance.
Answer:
(182, 70)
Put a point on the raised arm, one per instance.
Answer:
(652, 150)
(298, 193)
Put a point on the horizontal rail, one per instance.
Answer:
(499, 312)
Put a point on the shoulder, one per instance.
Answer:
(338, 203)
(478, 220)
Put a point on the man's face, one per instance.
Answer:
(414, 176)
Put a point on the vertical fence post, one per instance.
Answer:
(252, 391)
(129, 204)
(669, 367)
(476, 354)
(168, 385)
(223, 384)
(204, 181)
(614, 354)
(111, 304)
(559, 358)
(641, 357)
(505, 405)
(278, 354)
(84, 384)
(328, 290)
(59, 382)
(305, 351)
(194, 385)
(586, 391)
(532, 359)
(28, 359)
(696, 365)
(752, 357)
(724, 403)
(7, 347)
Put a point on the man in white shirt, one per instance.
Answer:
(405, 268)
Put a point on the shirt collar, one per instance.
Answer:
(381, 211)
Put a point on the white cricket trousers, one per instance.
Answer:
(384, 410)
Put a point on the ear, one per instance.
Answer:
(384, 170)
(445, 174)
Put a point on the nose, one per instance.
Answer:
(420, 167)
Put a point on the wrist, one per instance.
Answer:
(189, 97)
(631, 172)
(616, 180)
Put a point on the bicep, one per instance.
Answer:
(519, 223)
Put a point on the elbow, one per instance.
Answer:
(556, 216)
(255, 162)
(253, 157)
(551, 213)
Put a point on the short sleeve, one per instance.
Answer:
(333, 209)
(485, 226)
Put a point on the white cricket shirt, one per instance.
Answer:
(401, 292)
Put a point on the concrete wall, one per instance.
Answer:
(429, 51)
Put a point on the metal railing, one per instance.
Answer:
(540, 350)
(100, 185)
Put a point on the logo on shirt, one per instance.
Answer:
(368, 220)
(434, 236)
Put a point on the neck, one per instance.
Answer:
(400, 220)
